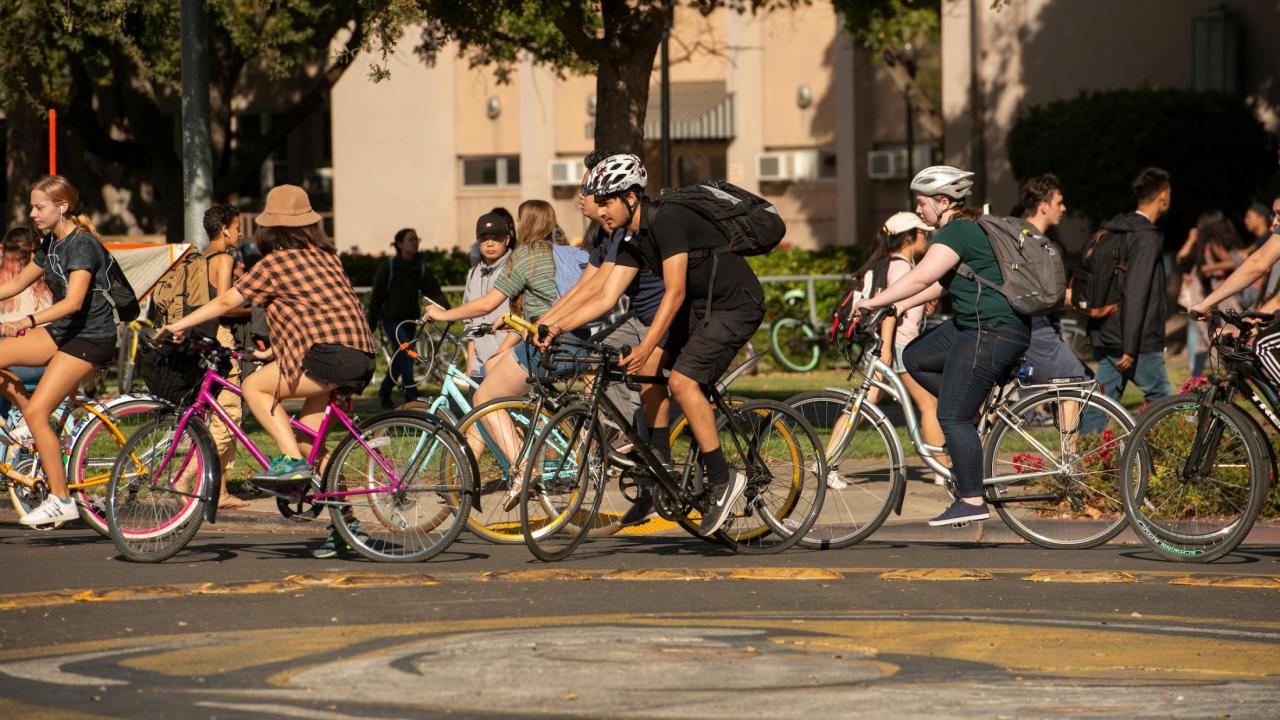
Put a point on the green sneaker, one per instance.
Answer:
(334, 544)
(284, 470)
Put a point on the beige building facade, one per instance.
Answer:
(779, 103)
(766, 101)
(997, 62)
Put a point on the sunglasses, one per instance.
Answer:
(491, 238)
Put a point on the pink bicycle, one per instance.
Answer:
(398, 486)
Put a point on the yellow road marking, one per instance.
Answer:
(783, 573)
(661, 574)
(300, 582)
(15, 709)
(1229, 581)
(937, 574)
(1081, 576)
(536, 575)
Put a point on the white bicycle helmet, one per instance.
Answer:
(943, 180)
(616, 175)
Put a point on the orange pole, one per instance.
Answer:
(53, 141)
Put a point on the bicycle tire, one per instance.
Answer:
(563, 483)
(794, 344)
(89, 490)
(870, 464)
(141, 538)
(776, 509)
(1157, 503)
(397, 525)
(489, 521)
(1082, 505)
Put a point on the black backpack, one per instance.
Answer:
(1096, 285)
(750, 224)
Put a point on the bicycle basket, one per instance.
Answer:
(171, 372)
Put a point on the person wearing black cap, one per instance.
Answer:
(493, 237)
(397, 287)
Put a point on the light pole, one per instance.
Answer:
(909, 61)
(197, 159)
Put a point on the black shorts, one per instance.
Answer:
(704, 349)
(348, 368)
(99, 352)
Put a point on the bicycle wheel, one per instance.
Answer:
(870, 474)
(563, 483)
(1195, 512)
(794, 344)
(1052, 467)
(406, 485)
(496, 471)
(25, 499)
(93, 452)
(781, 457)
(156, 496)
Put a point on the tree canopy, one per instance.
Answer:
(112, 69)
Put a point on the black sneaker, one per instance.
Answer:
(961, 512)
(639, 512)
(718, 511)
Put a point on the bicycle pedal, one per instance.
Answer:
(960, 525)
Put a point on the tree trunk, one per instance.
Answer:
(27, 160)
(926, 114)
(631, 39)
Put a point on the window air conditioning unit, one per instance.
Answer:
(805, 164)
(891, 163)
(883, 164)
(566, 172)
(773, 166)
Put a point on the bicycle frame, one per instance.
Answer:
(894, 388)
(206, 402)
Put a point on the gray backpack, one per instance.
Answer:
(1035, 280)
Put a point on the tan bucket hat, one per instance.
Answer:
(287, 206)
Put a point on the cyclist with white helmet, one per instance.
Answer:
(696, 340)
(962, 359)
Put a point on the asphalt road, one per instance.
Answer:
(248, 625)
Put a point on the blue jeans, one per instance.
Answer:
(960, 366)
(401, 363)
(1147, 373)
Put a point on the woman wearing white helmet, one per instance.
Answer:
(962, 359)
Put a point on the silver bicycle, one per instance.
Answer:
(1051, 453)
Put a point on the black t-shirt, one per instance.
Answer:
(94, 320)
(646, 289)
(669, 230)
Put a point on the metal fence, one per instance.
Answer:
(807, 281)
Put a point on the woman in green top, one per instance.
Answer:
(962, 359)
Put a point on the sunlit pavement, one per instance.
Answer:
(248, 624)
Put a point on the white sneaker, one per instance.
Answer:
(833, 477)
(52, 510)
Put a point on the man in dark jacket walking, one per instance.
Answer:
(1130, 343)
(398, 287)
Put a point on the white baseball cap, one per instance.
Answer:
(901, 222)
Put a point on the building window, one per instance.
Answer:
(499, 171)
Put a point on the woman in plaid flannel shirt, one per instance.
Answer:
(319, 337)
